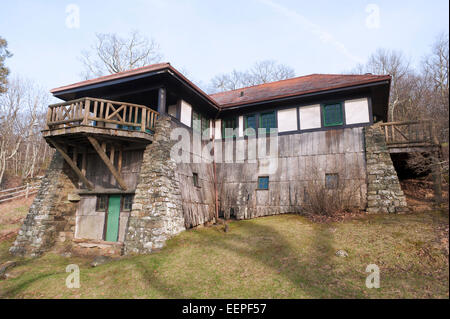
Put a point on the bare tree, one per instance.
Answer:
(22, 117)
(395, 64)
(261, 72)
(435, 69)
(112, 53)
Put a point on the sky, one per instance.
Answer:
(204, 38)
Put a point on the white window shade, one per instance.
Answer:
(287, 120)
(186, 113)
(357, 111)
(310, 117)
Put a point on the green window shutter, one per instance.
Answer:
(205, 124)
(229, 123)
(267, 121)
(196, 122)
(332, 114)
(250, 122)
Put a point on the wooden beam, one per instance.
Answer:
(107, 162)
(72, 165)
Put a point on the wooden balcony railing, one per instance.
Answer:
(410, 133)
(101, 113)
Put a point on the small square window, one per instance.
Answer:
(101, 203)
(195, 179)
(127, 203)
(331, 181)
(263, 182)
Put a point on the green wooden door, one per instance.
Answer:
(112, 224)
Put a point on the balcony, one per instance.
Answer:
(92, 116)
(410, 136)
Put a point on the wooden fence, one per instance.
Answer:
(18, 192)
(101, 113)
(410, 133)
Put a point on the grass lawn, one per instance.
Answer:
(284, 256)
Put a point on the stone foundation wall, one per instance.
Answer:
(384, 194)
(156, 213)
(51, 215)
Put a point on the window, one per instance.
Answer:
(267, 121)
(332, 114)
(101, 203)
(205, 125)
(195, 179)
(228, 126)
(250, 123)
(331, 181)
(199, 122)
(196, 122)
(263, 182)
(127, 202)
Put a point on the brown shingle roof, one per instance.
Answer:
(141, 70)
(263, 92)
(291, 87)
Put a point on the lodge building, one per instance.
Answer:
(113, 187)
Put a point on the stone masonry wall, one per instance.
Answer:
(51, 214)
(384, 194)
(156, 213)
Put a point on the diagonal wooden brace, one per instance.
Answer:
(72, 165)
(107, 162)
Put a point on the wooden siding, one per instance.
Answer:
(302, 158)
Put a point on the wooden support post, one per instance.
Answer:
(83, 163)
(144, 119)
(72, 165)
(107, 162)
(49, 118)
(161, 100)
(87, 110)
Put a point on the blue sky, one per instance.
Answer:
(210, 37)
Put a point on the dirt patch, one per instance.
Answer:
(336, 217)
(12, 215)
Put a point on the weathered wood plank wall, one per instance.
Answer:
(302, 158)
(198, 201)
